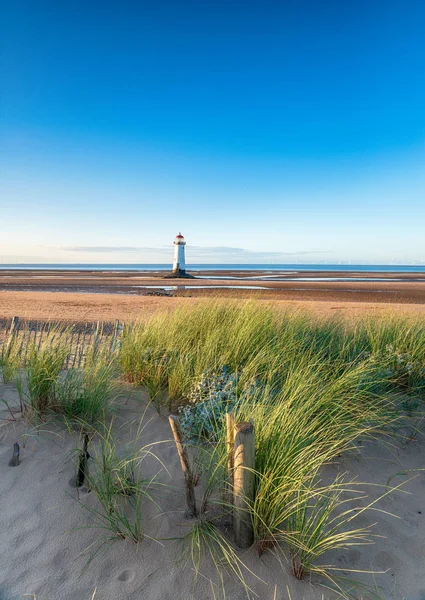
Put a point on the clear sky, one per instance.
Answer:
(282, 131)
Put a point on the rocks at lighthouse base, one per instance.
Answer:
(179, 274)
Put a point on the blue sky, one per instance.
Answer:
(264, 131)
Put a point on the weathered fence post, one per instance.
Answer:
(14, 328)
(230, 428)
(83, 467)
(14, 325)
(81, 356)
(243, 483)
(98, 336)
(114, 336)
(184, 461)
(14, 461)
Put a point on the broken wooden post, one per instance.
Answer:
(14, 461)
(230, 430)
(243, 483)
(184, 461)
(83, 467)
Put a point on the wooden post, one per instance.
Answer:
(77, 345)
(43, 329)
(230, 428)
(14, 461)
(83, 467)
(21, 345)
(35, 334)
(27, 341)
(14, 327)
(98, 336)
(114, 336)
(68, 358)
(243, 483)
(81, 355)
(184, 461)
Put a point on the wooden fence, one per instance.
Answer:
(78, 337)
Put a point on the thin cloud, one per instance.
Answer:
(110, 249)
(245, 252)
(197, 252)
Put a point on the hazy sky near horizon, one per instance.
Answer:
(265, 131)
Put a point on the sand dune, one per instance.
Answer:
(44, 532)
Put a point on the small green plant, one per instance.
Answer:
(85, 394)
(116, 479)
(145, 366)
(211, 397)
(10, 359)
(402, 369)
(318, 523)
(37, 387)
(154, 376)
(205, 542)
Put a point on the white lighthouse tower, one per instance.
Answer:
(179, 264)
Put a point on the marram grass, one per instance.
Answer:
(115, 477)
(174, 348)
(42, 369)
(10, 359)
(86, 394)
(319, 385)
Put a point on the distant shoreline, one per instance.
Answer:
(161, 267)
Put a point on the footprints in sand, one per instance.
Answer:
(386, 560)
(351, 557)
(381, 561)
(127, 575)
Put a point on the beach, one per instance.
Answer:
(47, 535)
(89, 307)
(110, 295)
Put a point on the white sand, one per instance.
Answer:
(41, 551)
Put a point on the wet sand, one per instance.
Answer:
(295, 286)
(109, 295)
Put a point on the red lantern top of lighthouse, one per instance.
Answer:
(180, 240)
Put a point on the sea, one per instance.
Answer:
(291, 268)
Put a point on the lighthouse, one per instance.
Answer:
(179, 264)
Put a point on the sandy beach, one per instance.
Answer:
(86, 307)
(47, 536)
